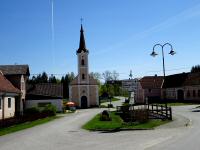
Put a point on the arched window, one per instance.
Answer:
(83, 76)
(82, 62)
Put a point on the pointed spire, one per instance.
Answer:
(82, 45)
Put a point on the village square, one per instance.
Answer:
(92, 109)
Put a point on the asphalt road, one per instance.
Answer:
(66, 134)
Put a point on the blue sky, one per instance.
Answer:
(119, 35)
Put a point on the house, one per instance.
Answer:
(8, 94)
(18, 76)
(42, 94)
(173, 87)
(149, 88)
(192, 87)
(184, 87)
(83, 90)
(129, 85)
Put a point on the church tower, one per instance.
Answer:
(82, 54)
(83, 90)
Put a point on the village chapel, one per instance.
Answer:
(83, 90)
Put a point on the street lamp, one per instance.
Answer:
(172, 52)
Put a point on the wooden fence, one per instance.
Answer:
(155, 111)
(159, 111)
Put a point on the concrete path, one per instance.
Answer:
(66, 133)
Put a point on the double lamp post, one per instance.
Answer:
(172, 52)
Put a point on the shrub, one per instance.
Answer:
(141, 115)
(31, 111)
(110, 105)
(102, 106)
(105, 116)
(49, 110)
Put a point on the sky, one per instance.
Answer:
(119, 34)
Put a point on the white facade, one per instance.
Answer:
(7, 104)
(130, 84)
(36, 103)
(83, 90)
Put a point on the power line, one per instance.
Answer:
(169, 69)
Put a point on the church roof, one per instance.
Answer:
(92, 81)
(82, 45)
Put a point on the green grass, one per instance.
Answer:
(148, 125)
(117, 123)
(179, 104)
(25, 125)
(96, 124)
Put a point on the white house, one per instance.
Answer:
(42, 94)
(7, 98)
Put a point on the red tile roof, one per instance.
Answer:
(151, 82)
(6, 86)
(15, 69)
(45, 89)
(192, 79)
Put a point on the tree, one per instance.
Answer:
(107, 75)
(52, 79)
(195, 69)
(115, 75)
(44, 77)
(97, 76)
(65, 80)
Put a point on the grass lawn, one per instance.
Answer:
(149, 125)
(179, 104)
(96, 124)
(117, 123)
(25, 125)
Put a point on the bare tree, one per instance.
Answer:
(115, 75)
(96, 75)
(107, 75)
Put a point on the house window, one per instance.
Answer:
(9, 102)
(83, 76)
(0, 104)
(82, 62)
(149, 90)
(194, 93)
(198, 93)
(188, 93)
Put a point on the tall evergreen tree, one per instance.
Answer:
(195, 69)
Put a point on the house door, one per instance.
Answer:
(180, 95)
(84, 102)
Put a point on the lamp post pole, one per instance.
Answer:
(172, 52)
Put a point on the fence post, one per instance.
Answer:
(166, 110)
(170, 111)
(157, 109)
(162, 109)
